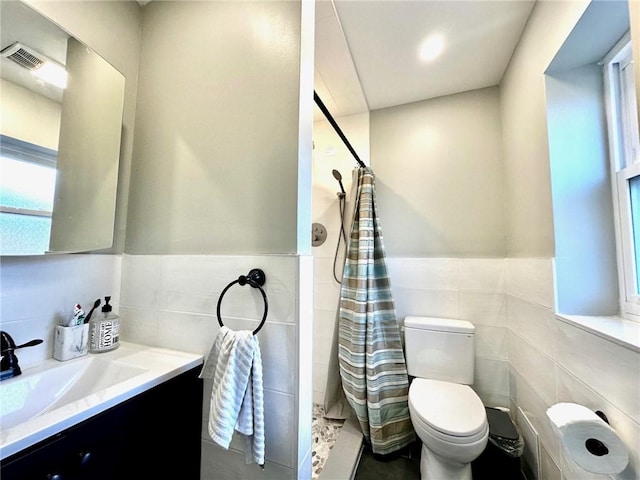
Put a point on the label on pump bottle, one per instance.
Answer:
(105, 335)
(108, 333)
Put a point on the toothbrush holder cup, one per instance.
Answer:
(71, 342)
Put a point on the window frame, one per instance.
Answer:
(624, 162)
(14, 149)
(27, 152)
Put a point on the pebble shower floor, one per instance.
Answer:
(325, 433)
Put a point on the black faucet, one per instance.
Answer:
(9, 364)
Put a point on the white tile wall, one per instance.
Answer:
(609, 369)
(218, 463)
(170, 301)
(548, 469)
(531, 450)
(278, 407)
(522, 357)
(491, 381)
(531, 279)
(534, 323)
(38, 292)
(470, 289)
(304, 454)
(553, 361)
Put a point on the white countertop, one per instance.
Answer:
(159, 365)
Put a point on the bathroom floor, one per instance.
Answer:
(325, 434)
(405, 465)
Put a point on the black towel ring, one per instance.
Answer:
(256, 278)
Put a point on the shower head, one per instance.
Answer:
(337, 176)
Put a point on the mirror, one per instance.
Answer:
(60, 147)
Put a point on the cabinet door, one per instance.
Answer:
(152, 435)
(167, 431)
(46, 461)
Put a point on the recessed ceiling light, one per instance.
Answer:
(431, 47)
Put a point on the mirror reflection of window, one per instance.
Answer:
(27, 186)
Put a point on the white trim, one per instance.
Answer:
(624, 165)
(630, 300)
(618, 330)
(618, 50)
(25, 211)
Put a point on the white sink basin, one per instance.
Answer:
(56, 395)
(40, 390)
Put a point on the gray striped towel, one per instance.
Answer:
(234, 364)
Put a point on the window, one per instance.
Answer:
(624, 147)
(27, 184)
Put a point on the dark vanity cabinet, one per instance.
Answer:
(154, 435)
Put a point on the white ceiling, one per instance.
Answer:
(366, 54)
(382, 39)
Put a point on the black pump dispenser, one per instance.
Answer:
(106, 307)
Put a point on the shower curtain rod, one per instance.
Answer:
(336, 127)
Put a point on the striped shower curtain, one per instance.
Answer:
(372, 365)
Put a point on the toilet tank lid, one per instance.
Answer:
(439, 324)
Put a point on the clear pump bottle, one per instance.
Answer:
(105, 330)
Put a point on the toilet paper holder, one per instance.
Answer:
(588, 438)
(595, 446)
(602, 416)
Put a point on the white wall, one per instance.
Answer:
(528, 210)
(439, 176)
(217, 124)
(586, 273)
(29, 117)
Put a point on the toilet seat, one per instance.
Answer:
(449, 411)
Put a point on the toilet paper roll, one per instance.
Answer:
(588, 440)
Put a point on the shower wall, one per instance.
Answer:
(330, 153)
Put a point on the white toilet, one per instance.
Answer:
(446, 413)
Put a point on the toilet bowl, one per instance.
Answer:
(451, 422)
(446, 413)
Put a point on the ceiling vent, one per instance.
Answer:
(24, 56)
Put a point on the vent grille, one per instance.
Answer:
(23, 56)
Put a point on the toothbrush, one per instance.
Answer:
(78, 316)
(95, 305)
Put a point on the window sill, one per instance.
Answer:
(621, 331)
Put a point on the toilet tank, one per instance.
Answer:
(440, 349)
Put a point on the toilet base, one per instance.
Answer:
(433, 467)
